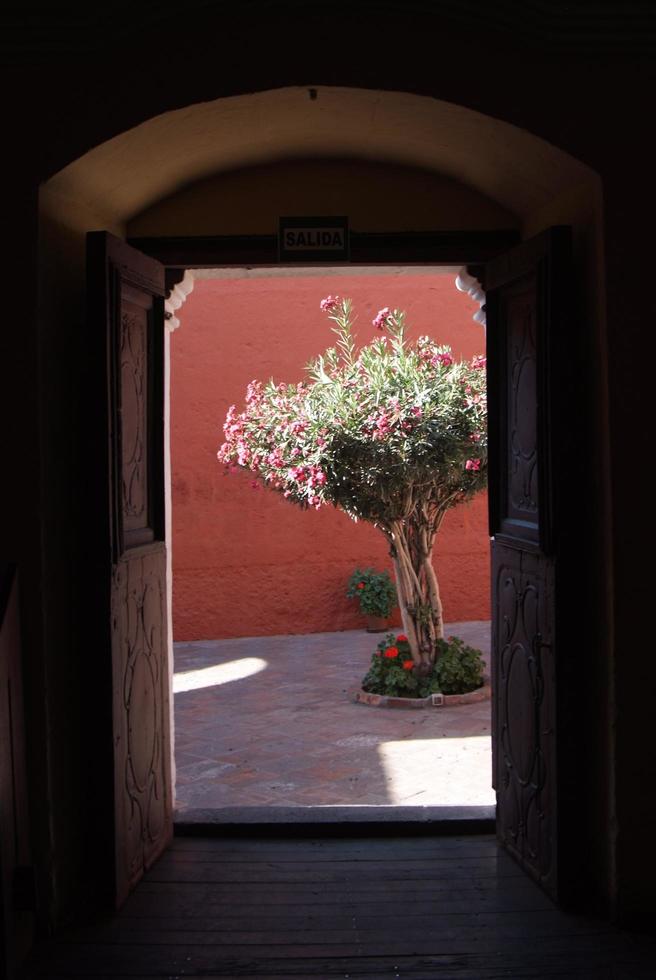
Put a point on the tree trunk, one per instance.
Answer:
(411, 547)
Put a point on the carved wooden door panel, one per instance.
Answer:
(127, 292)
(527, 307)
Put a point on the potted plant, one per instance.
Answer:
(376, 594)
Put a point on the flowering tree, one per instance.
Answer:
(393, 433)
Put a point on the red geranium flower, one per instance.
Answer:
(361, 585)
(391, 652)
(401, 638)
(408, 664)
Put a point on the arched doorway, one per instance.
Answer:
(403, 127)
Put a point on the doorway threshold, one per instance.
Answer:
(326, 819)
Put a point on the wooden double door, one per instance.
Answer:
(527, 321)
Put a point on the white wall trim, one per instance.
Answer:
(177, 298)
(468, 284)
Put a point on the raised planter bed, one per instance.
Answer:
(432, 701)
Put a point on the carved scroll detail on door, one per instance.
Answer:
(523, 675)
(134, 394)
(141, 703)
(522, 447)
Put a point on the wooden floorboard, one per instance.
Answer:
(451, 908)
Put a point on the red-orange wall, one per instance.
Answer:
(248, 563)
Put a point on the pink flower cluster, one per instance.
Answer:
(436, 358)
(473, 465)
(380, 424)
(274, 459)
(329, 304)
(234, 422)
(381, 318)
(253, 392)
(312, 477)
(233, 428)
(478, 361)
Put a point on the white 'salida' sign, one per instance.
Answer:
(324, 239)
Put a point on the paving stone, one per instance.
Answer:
(289, 735)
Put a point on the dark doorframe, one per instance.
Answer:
(474, 250)
(470, 248)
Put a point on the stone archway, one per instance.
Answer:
(130, 173)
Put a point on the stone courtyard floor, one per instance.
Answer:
(267, 722)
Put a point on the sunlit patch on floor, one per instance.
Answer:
(234, 670)
(451, 770)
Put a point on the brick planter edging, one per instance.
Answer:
(432, 701)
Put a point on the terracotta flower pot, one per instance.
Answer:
(377, 624)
